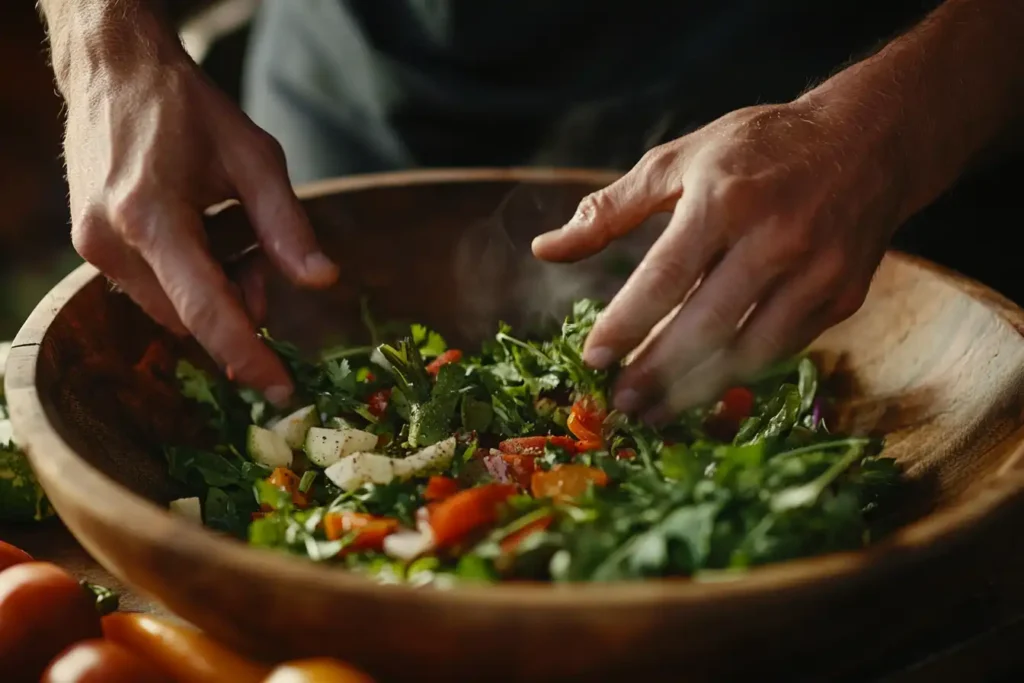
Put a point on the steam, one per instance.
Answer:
(498, 277)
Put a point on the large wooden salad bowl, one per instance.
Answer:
(934, 361)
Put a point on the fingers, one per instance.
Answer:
(672, 266)
(171, 242)
(785, 323)
(277, 216)
(706, 322)
(651, 186)
(96, 242)
(252, 282)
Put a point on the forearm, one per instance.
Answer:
(90, 39)
(939, 96)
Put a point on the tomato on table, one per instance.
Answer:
(369, 531)
(43, 610)
(467, 511)
(446, 358)
(185, 653)
(101, 661)
(11, 555)
(317, 670)
(565, 482)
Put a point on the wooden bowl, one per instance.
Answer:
(932, 359)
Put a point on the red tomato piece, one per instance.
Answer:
(586, 419)
(11, 555)
(534, 445)
(627, 453)
(738, 403)
(512, 541)
(100, 661)
(522, 466)
(565, 482)
(449, 356)
(439, 488)
(370, 531)
(286, 480)
(378, 402)
(467, 511)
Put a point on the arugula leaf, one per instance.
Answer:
(229, 512)
(430, 343)
(476, 415)
(198, 386)
(807, 384)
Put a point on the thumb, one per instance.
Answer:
(608, 214)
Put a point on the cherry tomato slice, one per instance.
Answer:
(100, 661)
(43, 610)
(370, 531)
(510, 543)
(737, 403)
(467, 511)
(439, 488)
(522, 466)
(627, 453)
(449, 356)
(378, 402)
(565, 482)
(586, 419)
(534, 445)
(11, 555)
(286, 480)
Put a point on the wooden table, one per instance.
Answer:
(981, 644)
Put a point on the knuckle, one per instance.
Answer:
(269, 150)
(848, 303)
(657, 161)
(592, 207)
(663, 277)
(130, 216)
(790, 244)
(87, 235)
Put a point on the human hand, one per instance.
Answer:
(148, 148)
(783, 209)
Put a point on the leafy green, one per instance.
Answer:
(21, 497)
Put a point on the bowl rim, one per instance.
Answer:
(112, 504)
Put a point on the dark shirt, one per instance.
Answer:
(404, 83)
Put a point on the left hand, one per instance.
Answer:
(786, 209)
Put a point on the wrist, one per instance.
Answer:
(96, 46)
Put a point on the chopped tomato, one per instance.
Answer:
(370, 377)
(564, 482)
(370, 531)
(512, 541)
(439, 488)
(586, 419)
(286, 480)
(468, 511)
(735, 406)
(229, 372)
(627, 453)
(449, 356)
(587, 446)
(534, 445)
(378, 402)
(522, 467)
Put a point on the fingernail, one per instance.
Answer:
(599, 358)
(278, 395)
(627, 400)
(319, 267)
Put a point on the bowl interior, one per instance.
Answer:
(933, 361)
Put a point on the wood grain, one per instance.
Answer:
(932, 359)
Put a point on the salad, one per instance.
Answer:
(418, 463)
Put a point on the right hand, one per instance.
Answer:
(148, 149)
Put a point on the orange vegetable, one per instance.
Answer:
(11, 555)
(439, 488)
(586, 420)
(468, 511)
(101, 661)
(319, 670)
(512, 541)
(183, 652)
(370, 531)
(449, 356)
(564, 482)
(534, 445)
(43, 610)
(286, 480)
(522, 468)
